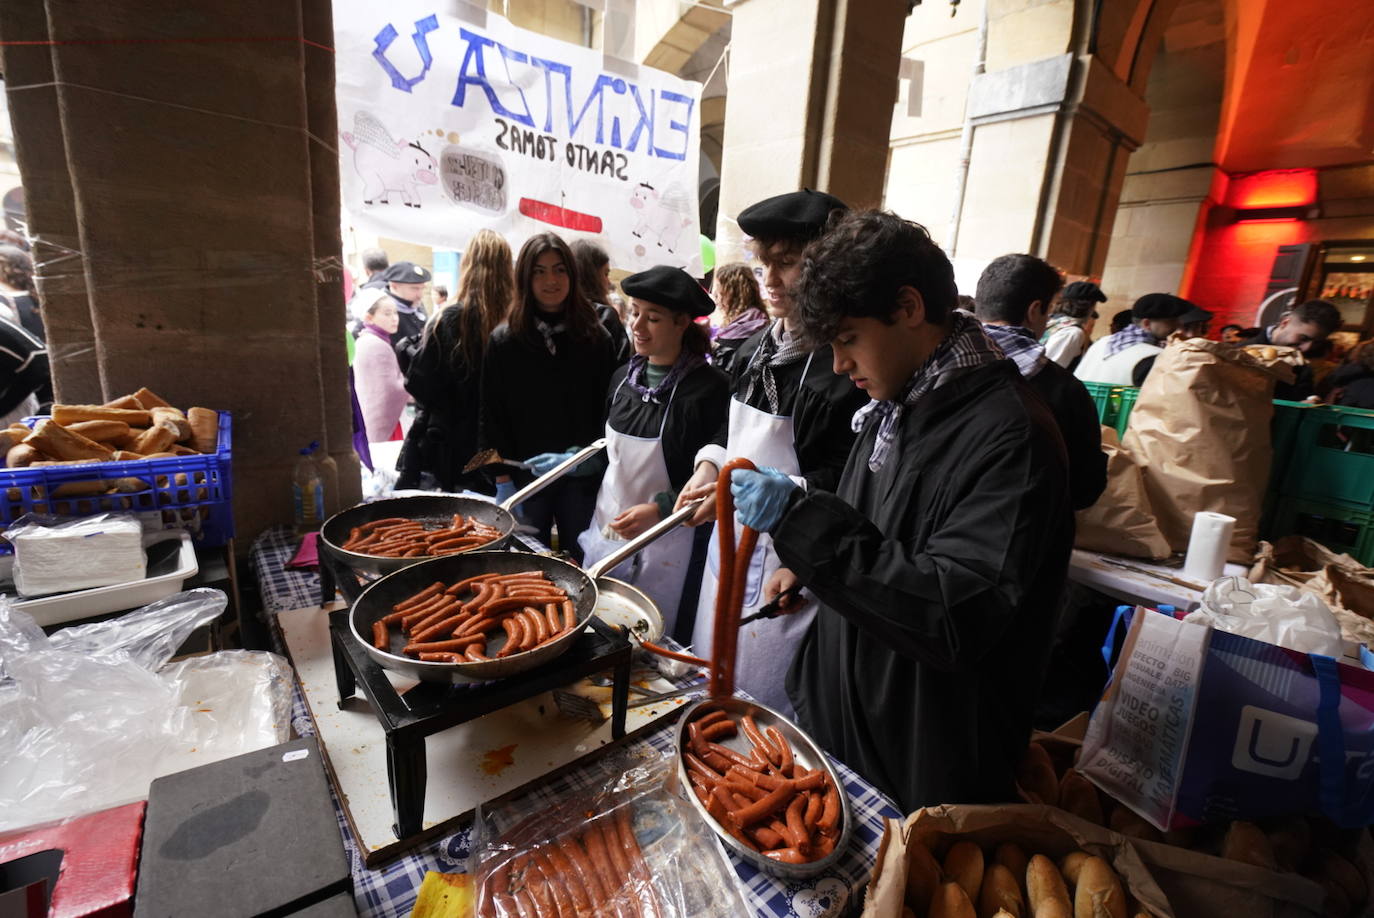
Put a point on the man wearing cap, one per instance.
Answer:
(665, 405)
(789, 411)
(1114, 359)
(405, 281)
(1069, 332)
(1304, 327)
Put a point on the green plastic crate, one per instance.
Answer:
(1114, 403)
(1337, 527)
(1332, 458)
(1284, 436)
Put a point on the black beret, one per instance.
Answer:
(671, 288)
(1160, 306)
(1085, 290)
(1194, 314)
(795, 215)
(406, 272)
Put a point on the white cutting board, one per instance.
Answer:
(469, 764)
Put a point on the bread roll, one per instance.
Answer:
(964, 865)
(1338, 904)
(20, 456)
(1070, 864)
(951, 901)
(155, 439)
(1079, 797)
(1245, 842)
(1045, 891)
(1347, 875)
(100, 431)
(126, 455)
(1291, 840)
(81, 488)
(1035, 776)
(922, 875)
(56, 442)
(1010, 856)
(175, 418)
(150, 399)
(179, 450)
(204, 429)
(9, 439)
(1098, 893)
(72, 414)
(1001, 892)
(1126, 821)
(124, 401)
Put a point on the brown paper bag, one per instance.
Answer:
(1343, 583)
(1200, 434)
(1037, 829)
(1121, 522)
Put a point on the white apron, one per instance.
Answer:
(766, 648)
(637, 472)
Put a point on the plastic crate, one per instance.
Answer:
(1126, 396)
(1337, 527)
(1114, 403)
(183, 492)
(1284, 437)
(1332, 458)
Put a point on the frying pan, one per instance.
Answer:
(437, 509)
(581, 586)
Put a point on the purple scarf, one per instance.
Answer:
(743, 326)
(686, 363)
(370, 329)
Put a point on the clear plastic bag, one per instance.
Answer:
(91, 715)
(1282, 615)
(629, 845)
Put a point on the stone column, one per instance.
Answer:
(811, 89)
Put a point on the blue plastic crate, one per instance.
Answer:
(182, 492)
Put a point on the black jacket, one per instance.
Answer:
(620, 338)
(23, 368)
(821, 406)
(1076, 413)
(536, 402)
(698, 408)
(447, 392)
(939, 578)
(1356, 383)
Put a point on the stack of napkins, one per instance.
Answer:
(55, 555)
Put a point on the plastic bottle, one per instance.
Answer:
(307, 489)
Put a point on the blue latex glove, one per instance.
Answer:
(544, 463)
(760, 497)
(504, 489)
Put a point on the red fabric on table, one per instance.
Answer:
(99, 860)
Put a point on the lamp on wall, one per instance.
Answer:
(1274, 195)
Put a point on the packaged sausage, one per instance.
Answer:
(628, 845)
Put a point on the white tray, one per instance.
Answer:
(67, 607)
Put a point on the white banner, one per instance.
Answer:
(447, 127)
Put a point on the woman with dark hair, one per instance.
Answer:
(739, 311)
(544, 385)
(16, 290)
(594, 277)
(445, 376)
(664, 406)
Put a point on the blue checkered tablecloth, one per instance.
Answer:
(391, 890)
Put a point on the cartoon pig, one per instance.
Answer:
(388, 166)
(661, 218)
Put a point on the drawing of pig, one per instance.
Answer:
(661, 218)
(388, 166)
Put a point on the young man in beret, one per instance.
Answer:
(939, 559)
(789, 410)
(1120, 358)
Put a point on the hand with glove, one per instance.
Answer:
(760, 497)
(544, 463)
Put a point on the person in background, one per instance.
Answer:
(375, 263)
(739, 312)
(1352, 383)
(1013, 302)
(941, 556)
(440, 298)
(376, 374)
(1303, 328)
(594, 276)
(406, 281)
(1115, 358)
(1195, 323)
(1120, 321)
(544, 385)
(446, 374)
(1231, 334)
(789, 410)
(17, 300)
(1068, 335)
(665, 405)
(25, 380)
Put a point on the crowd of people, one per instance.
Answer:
(920, 454)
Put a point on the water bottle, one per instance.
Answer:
(307, 489)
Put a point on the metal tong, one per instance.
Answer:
(773, 608)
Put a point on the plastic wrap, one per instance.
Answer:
(55, 554)
(91, 715)
(626, 846)
(1282, 615)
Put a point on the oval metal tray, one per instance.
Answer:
(804, 751)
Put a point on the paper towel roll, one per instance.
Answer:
(1207, 546)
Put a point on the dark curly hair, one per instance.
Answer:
(857, 268)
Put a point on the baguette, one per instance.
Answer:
(1036, 777)
(9, 439)
(1079, 797)
(71, 414)
(125, 455)
(150, 399)
(155, 439)
(1245, 842)
(81, 488)
(1291, 841)
(20, 456)
(1011, 856)
(179, 450)
(1045, 891)
(57, 442)
(1345, 874)
(1070, 864)
(204, 429)
(951, 901)
(175, 418)
(922, 876)
(100, 431)
(1001, 893)
(1098, 893)
(964, 865)
(127, 402)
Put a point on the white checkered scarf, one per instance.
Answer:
(967, 347)
(1020, 347)
(777, 349)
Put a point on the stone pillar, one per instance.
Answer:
(208, 222)
(811, 89)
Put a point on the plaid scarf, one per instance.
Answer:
(1020, 346)
(1058, 322)
(967, 347)
(686, 362)
(1128, 336)
(548, 331)
(774, 351)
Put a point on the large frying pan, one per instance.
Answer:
(581, 586)
(437, 509)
